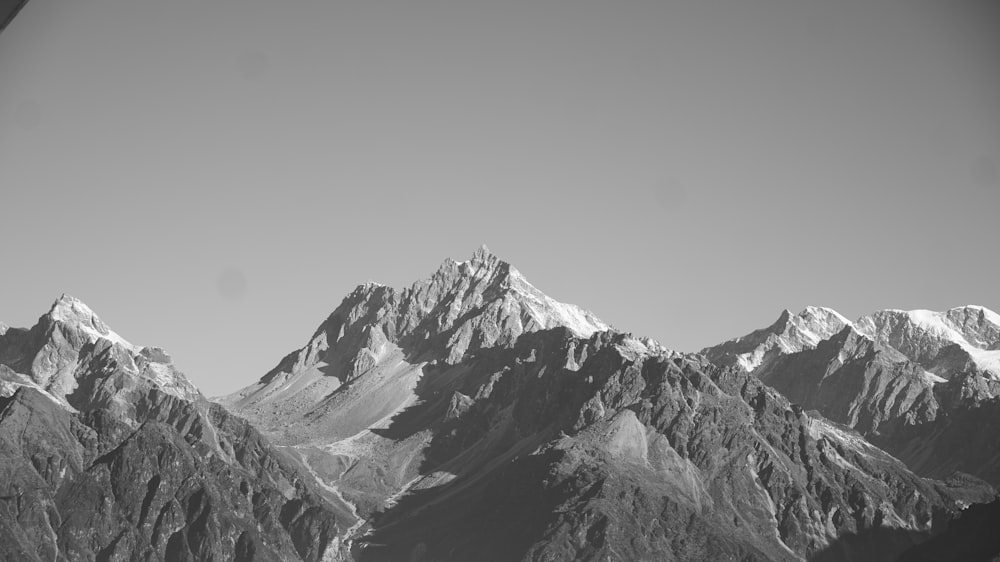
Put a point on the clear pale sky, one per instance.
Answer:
(213, 176)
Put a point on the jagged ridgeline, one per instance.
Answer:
(467, 417)
(924, 386)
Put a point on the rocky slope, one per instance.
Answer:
(922, 385)
(108, 453)
(471, 417)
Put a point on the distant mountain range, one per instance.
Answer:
(472, 417)
(922, 385)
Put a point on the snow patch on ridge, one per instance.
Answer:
(550, 313)
(986, 360)
(790, 334)
(939, 326)
(819, 427)
(932, 378)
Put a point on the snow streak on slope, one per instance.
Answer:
(550, 313)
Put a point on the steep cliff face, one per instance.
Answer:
(850, 379)
(107, 453)
(961, 437)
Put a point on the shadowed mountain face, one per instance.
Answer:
(108, 453)
(922, 385)
(472, 417)
(972, 537)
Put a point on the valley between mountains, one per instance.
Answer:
(472, 417)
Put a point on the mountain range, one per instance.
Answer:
(922, 385)
(472, 417)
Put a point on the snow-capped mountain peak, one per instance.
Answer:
(813, 325)
(822, 312)
(550, 313)
(386, 334)
(72, 311)
(939, 340)
(789, 334)
(473, 287)
(966, 337)
(70, 345)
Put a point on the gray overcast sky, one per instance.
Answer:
(213, 176)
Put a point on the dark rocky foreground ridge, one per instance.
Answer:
(89, 487)
(468, 417)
